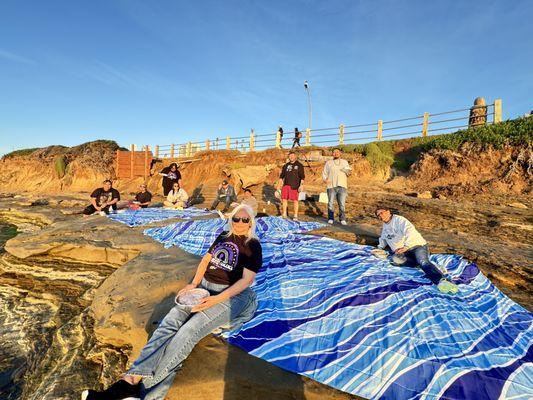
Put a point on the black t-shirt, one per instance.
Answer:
(230, 256)
(292, 174)
(173, 176)
(102, 196)
(145, 197)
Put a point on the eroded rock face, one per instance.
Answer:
(77, 317)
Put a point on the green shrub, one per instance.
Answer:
(60, 166)
(351, 148)
(21, 152)
(378, 159)
(514, 132)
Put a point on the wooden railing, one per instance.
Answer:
(426, 124)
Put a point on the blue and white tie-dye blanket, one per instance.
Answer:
(331, 311)
(148, 215)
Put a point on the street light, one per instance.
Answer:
(310, 109)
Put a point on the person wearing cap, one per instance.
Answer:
(335, 175)
(227, 270)
(409, 248)
(291, 182)
(225, 194)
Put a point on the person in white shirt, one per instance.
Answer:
(249, 200)
(177, 197)
(335, 174)
(409, 247)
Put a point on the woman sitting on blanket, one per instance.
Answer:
(226, 271)
(177, 198)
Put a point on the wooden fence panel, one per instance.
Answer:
(133, 165)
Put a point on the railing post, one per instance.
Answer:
(308, 137)
(146, 148)
(172, 150)
(188, 149)
(237, 144)
(228, 143)
(156, 155)
(341, 134)
(425, 123)
(278, 139)
(132, 159)
(380, 129)
(497, 111)
(207, 145)
(252, 140)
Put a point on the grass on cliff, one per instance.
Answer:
(20, 153)
(515, 132)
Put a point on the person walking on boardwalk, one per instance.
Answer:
(335, 175)
(291, 181)
(297, 137)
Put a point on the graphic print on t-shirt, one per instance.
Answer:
(225, 256)
(172, 175)
(104, 197)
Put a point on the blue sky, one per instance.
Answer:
(149, 72)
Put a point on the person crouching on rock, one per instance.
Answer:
(177, 197)
(409, 248)
(142, 199)
(226, 194)
(226, 271)
(103, 200)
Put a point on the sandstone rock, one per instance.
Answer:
(425, 195)
(397, 183)
(517, 204)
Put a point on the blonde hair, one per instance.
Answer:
(251, 231)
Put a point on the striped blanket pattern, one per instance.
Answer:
(331, 311)
(148, 215)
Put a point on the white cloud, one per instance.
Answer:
(6, 55)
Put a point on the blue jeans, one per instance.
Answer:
(339, 193)
(419, 256)
(177, 334)
(227, 202)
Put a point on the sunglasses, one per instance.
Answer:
(244, 220)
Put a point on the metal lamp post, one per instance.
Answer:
(310, 108)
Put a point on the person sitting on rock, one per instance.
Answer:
(226, 194)
(249, 200)
(170, 175)
(226, 271)
(177, 197)
(103, 200)
(409, 247)
(143, 198)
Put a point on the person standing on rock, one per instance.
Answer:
(226, 194)
(291, 182)
(103, 200)
(409, 248)
(279, 136)
(170, 175)
(335, 174)
(226, 271)
(177, 197)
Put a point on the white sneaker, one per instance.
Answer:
(103, 214)
(330, 221)
(295, 219)
(343, 222)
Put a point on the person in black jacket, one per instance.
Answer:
(170, 175)
(297, 137)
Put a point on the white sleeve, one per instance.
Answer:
(325, 172)
(183, 195)
(169, 196)
(382, 243)
(408, 230)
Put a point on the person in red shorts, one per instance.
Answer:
(291, 181)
